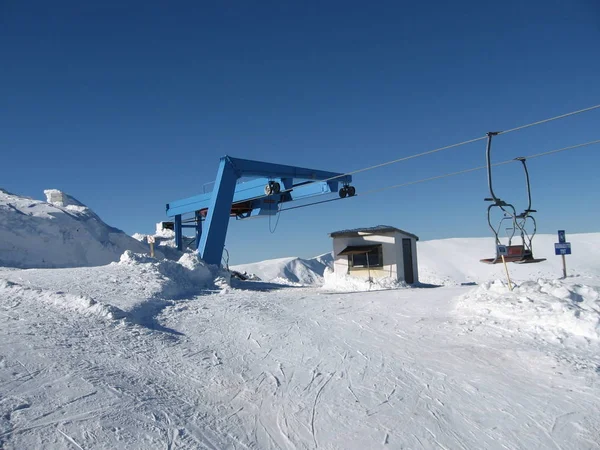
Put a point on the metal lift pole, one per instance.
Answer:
(198, 218)
(178, 232)
(488, 151)
(217, 219)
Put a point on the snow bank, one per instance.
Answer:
(543, 306)
(346, 283)
(164, 242)
(295, 271)
(136, 288)
(82, 304)
(61, 232)
(174, 279)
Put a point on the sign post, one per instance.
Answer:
(151, 242)
(562, 248)
(502, 250)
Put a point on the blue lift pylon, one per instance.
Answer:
(275, 184)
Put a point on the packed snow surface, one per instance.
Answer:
(149, 353)
(60, 232)
(261, 366)
(342, 282)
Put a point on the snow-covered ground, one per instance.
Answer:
(266, 366)
(149, 353)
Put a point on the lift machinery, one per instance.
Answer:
(270, 186)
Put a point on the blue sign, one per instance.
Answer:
(562, 248)
(561, 236)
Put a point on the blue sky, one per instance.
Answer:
(129, 105)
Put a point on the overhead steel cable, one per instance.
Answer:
(429, 152)
(562, 116)
(480, 167)
(460, 172)
(436, 150)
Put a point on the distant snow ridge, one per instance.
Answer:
(61, 232)
(317, 271)
(295, 271)
(544, 306)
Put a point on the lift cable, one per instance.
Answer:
(436, 150)
(417, 155)
(374, 191)
(468, 142)
(481, 167)
(572, 113)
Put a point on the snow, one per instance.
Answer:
(290, 368)
(64, 233)
(154, 353)
(455, 261)
(289, 270)
(82, 304)
(334, 281)
(448, 262)
(550, 306)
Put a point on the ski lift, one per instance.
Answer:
(518, 223)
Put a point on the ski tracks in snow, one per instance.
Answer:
(288, 369)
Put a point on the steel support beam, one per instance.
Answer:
(296, 183)
(247, 167)
(212, 241)
(178, 232)
(198, 228)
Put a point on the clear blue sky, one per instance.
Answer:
(129, 105)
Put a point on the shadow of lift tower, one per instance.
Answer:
(275, 184)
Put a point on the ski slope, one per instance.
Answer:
(145, 353)
(258, 367)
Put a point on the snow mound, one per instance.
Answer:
(136, 288)
(543, 306)
(346, 283)
(61, 232)
(164, 242)
(82, 304)
(293, 271)
(174, 279)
